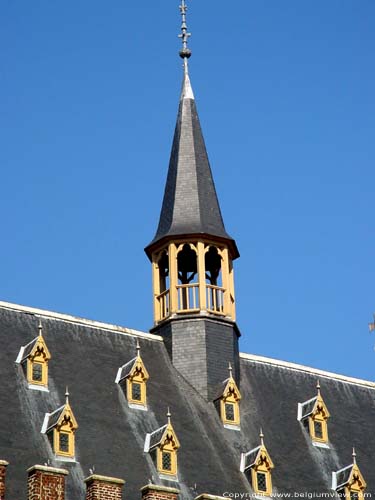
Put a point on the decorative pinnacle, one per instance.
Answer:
(40, 327)
(261, 435)
(354, 455)
(318, 387)
(138, 347)
(169, 415)
(185, 52)
(230, 369)
(66, 395)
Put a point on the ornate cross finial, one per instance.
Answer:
(66, 395)
(169, 415)
(40, 327)
(261, 435)
(354, 455)
(185, 52)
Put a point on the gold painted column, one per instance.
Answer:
(201, 276)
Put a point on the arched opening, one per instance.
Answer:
(187, 274)
(214, 280)
(162, 276)
(163, 266)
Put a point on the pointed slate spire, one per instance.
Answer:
(190, 204)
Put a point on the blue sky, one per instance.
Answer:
(285, 93)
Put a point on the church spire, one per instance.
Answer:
(192, 255)
(190, 205)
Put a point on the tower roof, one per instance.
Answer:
(190, 204)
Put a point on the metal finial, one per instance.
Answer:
(261, 435)
(354, 455)
(230, 369)
(318, 386)
(40, 327)
(185, 52)
(66, 395)
(169, 415)
(138, 347)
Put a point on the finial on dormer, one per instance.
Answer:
(169, 415)
(230, 370)
(138, 347)
(318, 387)
(354, 455)
(40, 328)
(66, 395)
(261, 435)
(185, 52)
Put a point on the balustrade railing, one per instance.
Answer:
(215, 299)
(188, 297)
(164, 307)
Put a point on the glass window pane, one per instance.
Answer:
(229, 411)
(318, 429)
(37, 372)
(136, 391)
(64, 442)
(262, 481)
(166, 460)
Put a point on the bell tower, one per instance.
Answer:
(192, 257)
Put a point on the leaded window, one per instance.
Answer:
(166, 460)
(229, 412)
(318, 429)
(37, 372)
(136, 391)
(64, 442)
(261, 481)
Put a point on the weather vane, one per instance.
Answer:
(185, 52)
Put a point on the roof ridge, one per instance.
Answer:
(307, 369)
(80, 321)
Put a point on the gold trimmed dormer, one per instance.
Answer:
(314, 415)
(60, 427)
(34, 358)
(228, 402)
(133, 377)
(257, 466)
(349, 482)
(163, 445)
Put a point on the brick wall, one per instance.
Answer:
(155, 492)
(46, 483)
(103, 488)
(3, 470)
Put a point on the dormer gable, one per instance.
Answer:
(227, 402)
(60, 427)
(133, 376)
(349, 482)
(163, 445)
(257, 466)
(314, 414)
(34, 358)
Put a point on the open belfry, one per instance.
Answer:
(97, 411)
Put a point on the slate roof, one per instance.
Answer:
(111, 435)
(190, 205)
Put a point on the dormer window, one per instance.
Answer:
(349, 482)
(227, 402)
(257, 466)
(34, 358)
(314, 415)
(133, 378)
(60, 427)
(163, 445)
